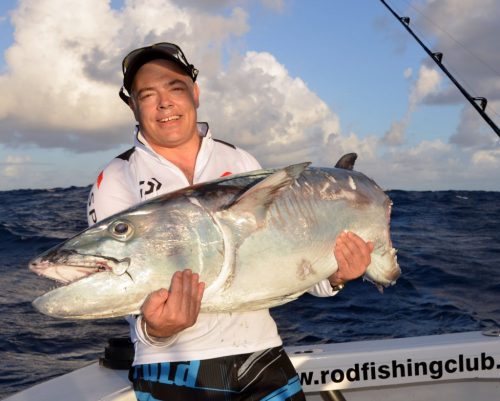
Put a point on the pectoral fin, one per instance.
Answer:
(245, 215)
(249, 211)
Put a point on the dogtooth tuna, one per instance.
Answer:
(257, 240)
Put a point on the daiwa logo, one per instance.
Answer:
(148, 187)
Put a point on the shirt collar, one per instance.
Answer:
(203, 131)
(141, 142)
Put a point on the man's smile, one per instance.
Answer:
(170, 118)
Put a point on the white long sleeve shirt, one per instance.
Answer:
(140, 174)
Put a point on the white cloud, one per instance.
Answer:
(488, 159)
(472, 132)
(468, 41)
(395, 135)
(14, 166)
(467, 35)
(262, 108)
(277, 5)
(62, 93)
(427, 83)
(67, 84)
(434, 165)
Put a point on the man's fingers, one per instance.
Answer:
(201, 290)
(176, 291)
(353, 255)
(159, 295)
(168, 312)
(187, 286)
(197, 294)
(339, 252)
(353, 243)
(155, 300)
(353, 246)
(187, 297)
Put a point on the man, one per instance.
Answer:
(179, 353)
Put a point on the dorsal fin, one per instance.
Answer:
(347, 161)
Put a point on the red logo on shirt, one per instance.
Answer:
(99, 179)
(225, 174)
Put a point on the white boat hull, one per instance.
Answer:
(461, 366)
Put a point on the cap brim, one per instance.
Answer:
(145, 57)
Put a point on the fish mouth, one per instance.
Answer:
(68, 266)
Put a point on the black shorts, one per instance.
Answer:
(265, 375)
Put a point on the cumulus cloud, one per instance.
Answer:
(66, 85)
(62, 93)
(469, 45)
(265, 110)
(395, 135)
(468, 42)
(426, 84)
(487, 159)
(472, 132)
(277, 5)
(13, 166)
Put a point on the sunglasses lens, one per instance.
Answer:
(169, 48)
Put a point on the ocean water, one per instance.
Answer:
(448, 247)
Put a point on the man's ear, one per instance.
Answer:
(133, 107)
(196, 92)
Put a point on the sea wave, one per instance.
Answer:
(448, 247)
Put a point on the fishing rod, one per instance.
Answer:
(479, 103)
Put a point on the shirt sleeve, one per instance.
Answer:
(112, 192)
(250, 163)
(322, 289)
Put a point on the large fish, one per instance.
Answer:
(257, 239)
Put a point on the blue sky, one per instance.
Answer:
(287, 80)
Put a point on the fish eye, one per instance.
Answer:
(121, 230)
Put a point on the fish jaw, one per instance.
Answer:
(80, 275)
(108, 294)
(67, 266)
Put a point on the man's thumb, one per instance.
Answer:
(155, 299)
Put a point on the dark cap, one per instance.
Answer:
(138, 57)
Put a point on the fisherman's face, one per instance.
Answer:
(164, 101)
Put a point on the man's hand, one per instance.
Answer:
(353, 257)
(168, 312)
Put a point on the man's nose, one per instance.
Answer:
(165, 101)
